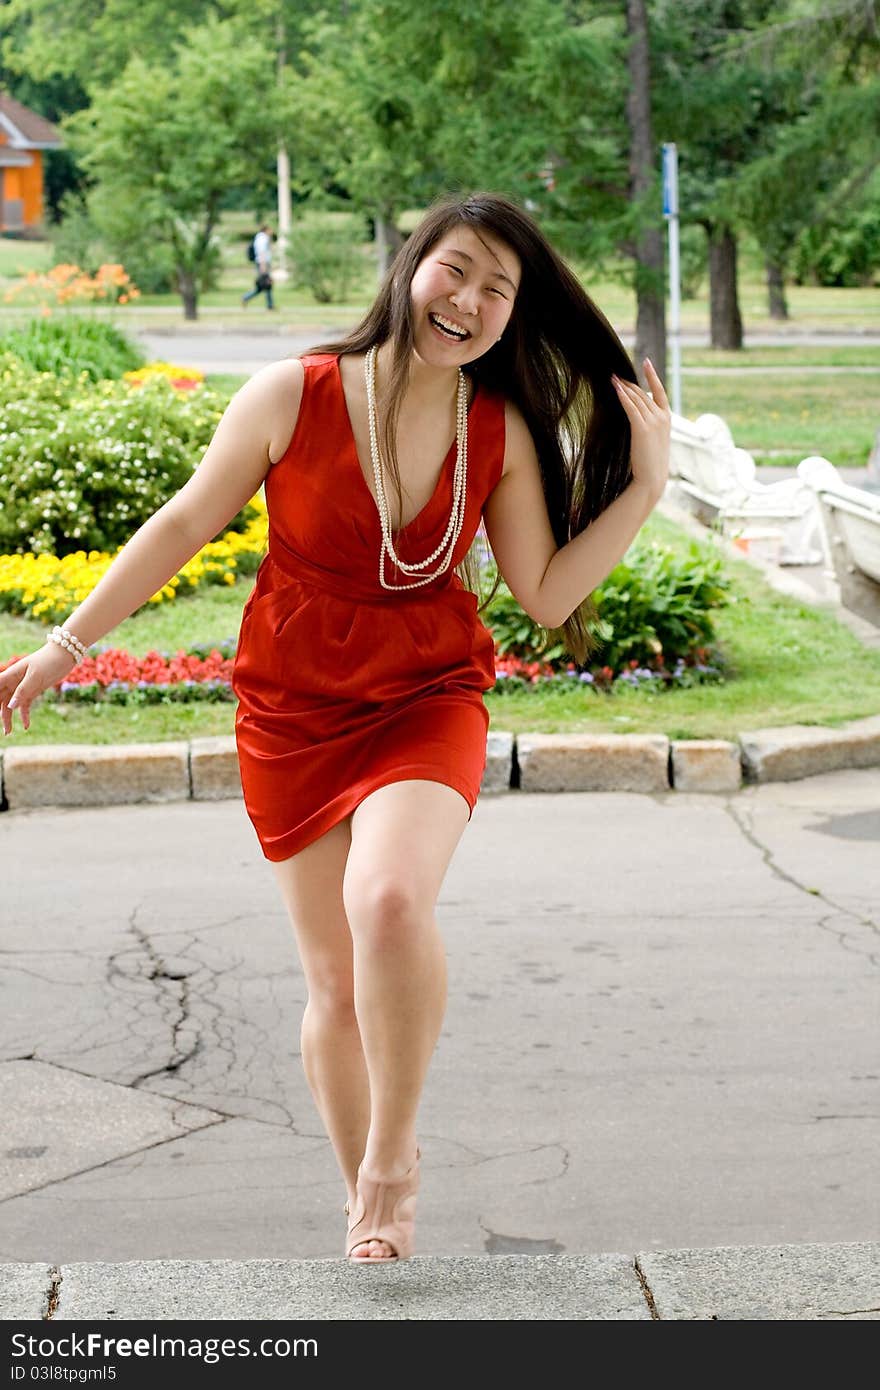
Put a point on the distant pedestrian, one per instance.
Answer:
(263, 263)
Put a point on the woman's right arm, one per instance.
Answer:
(254, 431)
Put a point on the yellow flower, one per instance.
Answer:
(48, 586)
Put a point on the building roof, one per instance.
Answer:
(14, 159)
(24, 127)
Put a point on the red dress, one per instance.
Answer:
(343, 686)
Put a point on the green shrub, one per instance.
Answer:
(82, 466)
(657, 604)
(843, 251)
(84, 240)
(75, 239)
(654, 607)
(73, 344)
(327, 255)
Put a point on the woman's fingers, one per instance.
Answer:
(8, 682)
(630, 394)
(18, 692)
(657, 389)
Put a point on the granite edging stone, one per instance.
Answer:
(206, 769)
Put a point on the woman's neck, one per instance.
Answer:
(427, 385)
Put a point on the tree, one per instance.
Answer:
(93, 40)
(650, 279)
(166, 142)
(826, 156)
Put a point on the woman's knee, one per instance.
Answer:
(331, 989)
(382, 904)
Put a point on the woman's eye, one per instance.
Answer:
(458, 270)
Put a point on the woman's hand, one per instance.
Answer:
(27, 678)
(650, 421)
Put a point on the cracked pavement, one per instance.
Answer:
(661, 1032)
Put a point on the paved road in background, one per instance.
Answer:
(237, 351)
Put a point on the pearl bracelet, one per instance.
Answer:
(66, 639)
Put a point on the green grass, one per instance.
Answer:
(18, 256)
(792, 357)
(835, 415)
(810, 306)
(790, 664)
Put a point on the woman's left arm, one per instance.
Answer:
(550, 582)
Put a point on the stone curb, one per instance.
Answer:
(804, 1282)
(206, 769)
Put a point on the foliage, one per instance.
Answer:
(426, 98)
(693, 261)
(45, 587)
(83, 465)
(77, 238)
(166, 141)
(67, 284)
(71, 345)
(844, 247)
(328, 255)
(655, 608)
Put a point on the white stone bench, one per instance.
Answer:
(716, 480)
(850, 519)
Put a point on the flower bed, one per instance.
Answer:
(47, 587)
(181, 378)
(514, 673)
(113, 675)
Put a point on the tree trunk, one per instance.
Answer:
(388, 242)
(649, 270)
(186, 284)
(726, 329)
(776, 291)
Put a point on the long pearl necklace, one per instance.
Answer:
(459, 500)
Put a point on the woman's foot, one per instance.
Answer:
(382, 1215)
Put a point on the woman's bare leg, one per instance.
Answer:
(332, 1054)
(402, 839)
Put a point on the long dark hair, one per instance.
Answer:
(554, 361)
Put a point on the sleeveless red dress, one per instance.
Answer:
(344, 686)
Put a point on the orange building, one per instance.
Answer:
(23, 137)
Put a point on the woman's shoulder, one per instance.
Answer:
(277, 390)
(283, 386)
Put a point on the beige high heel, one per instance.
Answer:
(384, 1211)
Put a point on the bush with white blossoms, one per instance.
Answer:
(83, 465)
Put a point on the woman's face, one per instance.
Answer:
(470, 282)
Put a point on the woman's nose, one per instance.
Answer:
(465, 300)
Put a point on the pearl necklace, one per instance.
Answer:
(459, 500)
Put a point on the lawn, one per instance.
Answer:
(811, 307)
(788, 663)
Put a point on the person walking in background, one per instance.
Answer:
(263, 262)
(487, 385)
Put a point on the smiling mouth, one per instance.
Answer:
(445, 327)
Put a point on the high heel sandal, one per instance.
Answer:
(384, 1211)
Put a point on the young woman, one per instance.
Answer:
(484, 383)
